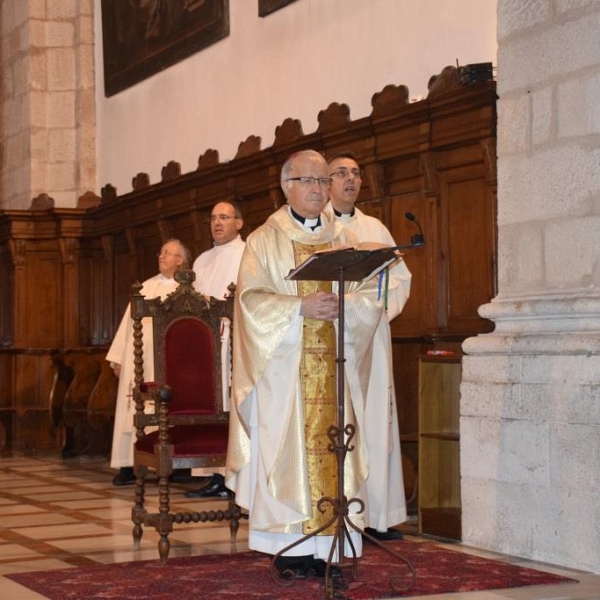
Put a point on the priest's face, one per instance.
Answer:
(224, 225)
(307, 185)
(170, 259)
(345, 183)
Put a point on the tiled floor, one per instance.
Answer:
(58, 514)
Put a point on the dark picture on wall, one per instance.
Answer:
(143, 37)
(266, 7)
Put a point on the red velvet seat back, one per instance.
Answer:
(190, 363)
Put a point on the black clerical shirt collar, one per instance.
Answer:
(310, 223)
(337, 213)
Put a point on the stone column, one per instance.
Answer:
(48, 105)
(530, 396)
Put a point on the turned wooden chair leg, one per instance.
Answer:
(138, 509)
(164, 524)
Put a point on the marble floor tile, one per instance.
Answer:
(57, 514)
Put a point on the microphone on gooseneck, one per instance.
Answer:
(418, 239)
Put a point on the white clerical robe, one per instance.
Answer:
(121, 352)
(266, 462)
(385, 484)
(215, 269)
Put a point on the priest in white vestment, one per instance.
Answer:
(215, 270)
(173, 256)
(284, 375)
(385, 485)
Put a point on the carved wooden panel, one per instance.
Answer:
(434, 159)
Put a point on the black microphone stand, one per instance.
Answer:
(340, 436)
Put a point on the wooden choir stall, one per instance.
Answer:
(66, 274)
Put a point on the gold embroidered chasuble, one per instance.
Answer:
(293, 468)
(318, 388)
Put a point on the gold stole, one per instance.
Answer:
(318, 388)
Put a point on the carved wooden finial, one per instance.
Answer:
(390, 99)
(140, 181)
(248, 147)
(334, 116)
(209, 159)
(171, 171)
(42, 202)
(288, 131)
(187, 276)
(88, 200)
(108, 193)
(446, 81)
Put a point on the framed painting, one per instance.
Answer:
(266, 7)
(143, 37)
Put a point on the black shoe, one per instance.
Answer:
(125, 476)
(214, 489)
(384, 536)
(319, 566)
(294, 567)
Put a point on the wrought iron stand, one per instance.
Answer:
(341, 435)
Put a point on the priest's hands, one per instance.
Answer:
(320, 305)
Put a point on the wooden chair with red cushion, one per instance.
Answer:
(186, 426)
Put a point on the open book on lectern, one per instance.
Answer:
(359, 263)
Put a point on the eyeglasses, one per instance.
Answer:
(310, 181)
(342, 173)
(214, 218)
(167, 253)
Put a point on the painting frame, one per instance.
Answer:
(266, 7)
(143, 38)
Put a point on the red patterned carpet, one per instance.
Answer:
(246, 575)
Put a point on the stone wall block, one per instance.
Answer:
(8, 81)
(516, 15)
(61, 109)
(61, 145)
(12, 114)
(563, 6)
(552, 370)
(578, 50)
(84, 30)
(12, 45)
(543, 402)
(37, 109)
(60, 34)
(37, 33)
(520, 256)
(61, 9)
(494, 400)
(578, 107)
(8, 17)
(37, 71)
(498, 523)
(13, 149)
(85, 67)
(505, 450)
(20, 69)
(21, 13)
(569, 262)
(513, 125)
(37, 9)
(39, 145)
(61, 69)
(574, 457)
(531, 194)
(566, 528)
(541, 116)
(60, 177)
(491, 369)
(86, 108)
